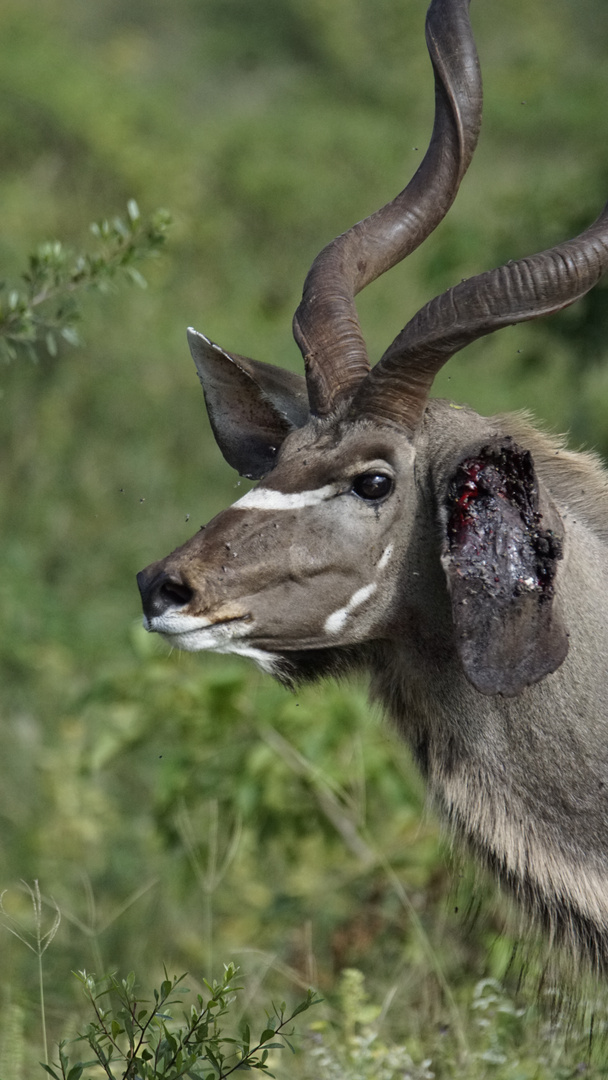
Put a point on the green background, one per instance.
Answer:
(184, 809)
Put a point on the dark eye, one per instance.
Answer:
(372, 486)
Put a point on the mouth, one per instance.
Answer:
(194, 633)
(176, 623)
(198, 634)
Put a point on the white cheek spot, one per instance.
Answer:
(335, 622)
(386, 555)
(267, 499)
(361, 595)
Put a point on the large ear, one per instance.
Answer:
(252, 406)
(501, 559)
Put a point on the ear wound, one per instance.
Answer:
(501, 564)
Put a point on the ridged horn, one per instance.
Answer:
(326, 325)
(398, 387)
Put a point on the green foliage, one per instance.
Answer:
(500, 1043)
(131, 1038)
(352, 1048)
(46, 305)
(36, 940)
(187, 800)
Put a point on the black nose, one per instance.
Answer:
(161, 592)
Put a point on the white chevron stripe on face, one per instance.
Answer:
(267, 499)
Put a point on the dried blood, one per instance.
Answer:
(495, 534)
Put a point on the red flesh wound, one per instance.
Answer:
(494, 524)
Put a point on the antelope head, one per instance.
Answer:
(379, 515)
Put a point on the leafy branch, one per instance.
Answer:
(44, 307)
(133, 1040)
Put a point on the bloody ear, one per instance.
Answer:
(501, 563)
(252, 406)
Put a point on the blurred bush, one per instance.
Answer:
(184, 809)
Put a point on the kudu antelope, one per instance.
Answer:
(461, 561)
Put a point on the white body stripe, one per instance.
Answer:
(335, 621)
(267, 499)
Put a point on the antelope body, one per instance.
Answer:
(461, 561)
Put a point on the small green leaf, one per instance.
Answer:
(70, 335)
(215, 1061)
(47, 1068)
(304, 1005)
(138, 278)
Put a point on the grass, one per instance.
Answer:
(314, 856)
(184, 811)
